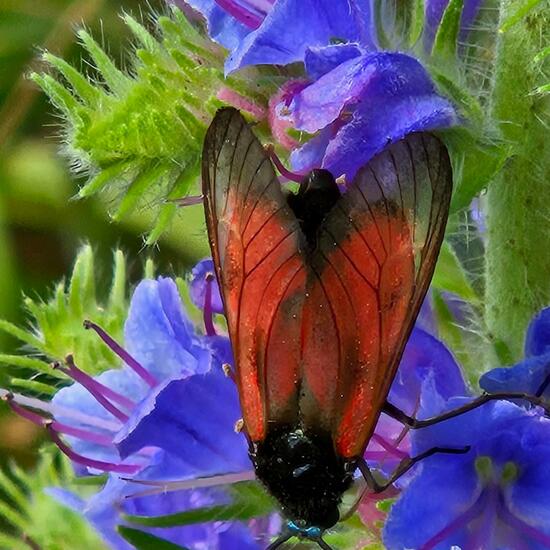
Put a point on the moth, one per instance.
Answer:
(321, 289)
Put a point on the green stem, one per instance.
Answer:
(518, 200)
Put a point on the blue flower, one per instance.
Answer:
(168, 417)
(496, 495)
(168, 414)
(260, 32)
(527, 375)
(355, 101)
(357, 104)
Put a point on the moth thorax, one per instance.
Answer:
(317, 195)
(304, 473)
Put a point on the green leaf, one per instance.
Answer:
(446, 39)
(523, 8)
(476, 162)
(417, 21)
(249, 501)
(449, 275)
(57, 329)
(138, 133)
(145, 541)
(26, 510)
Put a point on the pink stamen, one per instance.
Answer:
(241, 102)
(463, 519)
(249, 17)
(516, 523)
(84, 435)
(375, 455)
(388, 446)
(292, 176)
(146, 376)
(38, 420)
(59, 411)
(24, 413)
(279, 124)
(207, 309)
(99, 397)
(160, 487)
(89, 462)
(87, 381)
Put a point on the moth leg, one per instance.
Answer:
(415, 423)
(404, 466)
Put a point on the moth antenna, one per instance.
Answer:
(160, 487)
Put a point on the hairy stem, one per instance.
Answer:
(518, 200)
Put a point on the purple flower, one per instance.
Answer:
(357, 104)
(356, 100)
(527, 375)
(203, 277)
(260, 32)
(496, 494)
(167, 419)
(168, 414)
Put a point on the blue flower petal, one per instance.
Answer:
(526, 376)
(197, 287)
(386, 95)
(193, 418)
(321, 60)
(425, 356)
(430, 503)
(537, 340)
(222, 27)
(312, 22)
(158, 333)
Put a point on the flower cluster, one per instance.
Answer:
(354, 97)
(494, 495)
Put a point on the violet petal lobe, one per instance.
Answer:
(428, 504)
(222, 27)
(311, 22)
(321, 60)
(158, 333)
(376, 99)
(197, 287)
(537, 340)
(425, 356)
(370, 131)
(526, 376)
(194, 418)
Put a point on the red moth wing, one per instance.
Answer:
(256, 242)
(375, 257)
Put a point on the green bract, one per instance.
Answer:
(56, 326)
